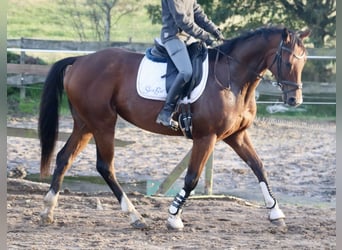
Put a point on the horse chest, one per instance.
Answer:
(237, 121)
(246, 120)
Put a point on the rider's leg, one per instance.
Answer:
(180, 57)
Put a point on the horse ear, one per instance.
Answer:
(286, 35)
(304, 34)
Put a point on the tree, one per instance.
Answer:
(235, 16)
(99, 14)
(102, 14)
(320, 16)
(72, 12)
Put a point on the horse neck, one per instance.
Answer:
(252, 58)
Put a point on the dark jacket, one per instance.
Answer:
(186, 16)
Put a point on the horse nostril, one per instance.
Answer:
(292, 101)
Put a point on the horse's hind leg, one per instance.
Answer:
(242, 145)
(78, 139)
(104, 138)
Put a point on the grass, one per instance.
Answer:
(46, 19)
(30, 104)
(303, 112)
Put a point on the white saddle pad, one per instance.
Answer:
(151, 85)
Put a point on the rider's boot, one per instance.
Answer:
(165, 115)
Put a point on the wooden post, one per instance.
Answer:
(179, 169)
(208, 182)
(22, 61)
(62, 136)
(173, 176)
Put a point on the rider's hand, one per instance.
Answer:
(213, 43)
(209, 42)
(218, 35)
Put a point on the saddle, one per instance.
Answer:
(197, 52)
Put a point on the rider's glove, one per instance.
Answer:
(218, 35)
(209, 42)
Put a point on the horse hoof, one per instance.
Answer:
(46, 219)
(139, 224)
(280, 223)
(170, 227)
(174, 223)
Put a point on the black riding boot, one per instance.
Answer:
(165, 115)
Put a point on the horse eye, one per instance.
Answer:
(289, 65)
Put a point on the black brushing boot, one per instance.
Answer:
(165, 116)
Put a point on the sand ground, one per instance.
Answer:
(300, 158)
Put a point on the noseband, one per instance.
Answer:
(279, 60)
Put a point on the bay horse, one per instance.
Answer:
(102, 85)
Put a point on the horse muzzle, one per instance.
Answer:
(293, 101)
(293, 98)
(292, 93)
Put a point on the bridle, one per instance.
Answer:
(278, 58)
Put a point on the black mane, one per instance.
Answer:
(229, 45)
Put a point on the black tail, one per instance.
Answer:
(49, 112)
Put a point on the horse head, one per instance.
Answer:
(248, 56)
(288, 63)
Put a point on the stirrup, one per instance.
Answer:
(170, 123)
(173, 125)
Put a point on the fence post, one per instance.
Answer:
(176, 172)
(208, 185)
(179, 169)
(22, 61)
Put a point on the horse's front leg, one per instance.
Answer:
(242, 145)
(201, 151)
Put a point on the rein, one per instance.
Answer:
(215, 75)
(233, 59)
(277, 59)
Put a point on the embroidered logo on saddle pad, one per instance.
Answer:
(152, 85)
